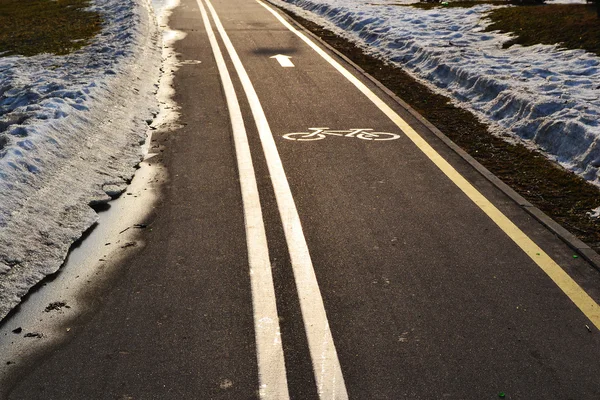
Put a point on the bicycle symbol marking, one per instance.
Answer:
(322, 133)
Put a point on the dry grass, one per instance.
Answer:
(29, 27)
(455, 4)
(573, 26)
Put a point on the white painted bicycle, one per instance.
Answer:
(322, 133)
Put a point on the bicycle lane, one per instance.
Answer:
(419, 284)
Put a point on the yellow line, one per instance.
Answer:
(581, 299)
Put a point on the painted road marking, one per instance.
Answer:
(581, 299)
(327, 370)
(284, 61)
(271, 363)
(322, 133)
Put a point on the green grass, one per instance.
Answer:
(573, 26)
(29, 27)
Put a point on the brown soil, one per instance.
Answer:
(562, 195)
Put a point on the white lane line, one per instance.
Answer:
(271, 364)
(328, 373)
(578, 296)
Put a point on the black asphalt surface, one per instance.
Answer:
(426, 297)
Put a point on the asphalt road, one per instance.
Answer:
(344, 267)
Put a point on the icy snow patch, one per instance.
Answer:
(547, 97)
(70, 133)
(169, 110)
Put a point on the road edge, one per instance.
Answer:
(585, 251)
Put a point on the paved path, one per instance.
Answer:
(315, 241)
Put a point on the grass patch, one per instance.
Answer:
(29, 27)
(456, 4)
(562, 195)
(573, 26)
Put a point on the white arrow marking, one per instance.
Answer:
(284, 61)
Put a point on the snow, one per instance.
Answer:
(545, 96)
(70, 133)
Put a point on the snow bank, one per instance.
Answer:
(549, 98)
(70, 133)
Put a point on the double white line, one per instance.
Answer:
(271, 364)
(326, 365)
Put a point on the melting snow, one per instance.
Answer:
(547, 97)
(70, 133)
